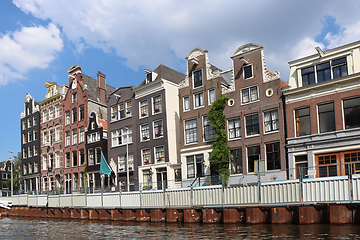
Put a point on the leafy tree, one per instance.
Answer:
(17, 174)
(220, 154)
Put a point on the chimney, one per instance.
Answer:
(73, 73)
(101, 87)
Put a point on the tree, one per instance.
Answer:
(17, 174)
(220, 154)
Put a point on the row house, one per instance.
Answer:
(201, 86)
(30, 144)
(51, 112)
(323, 112)
(96, 143)
(84, 95)
(255, 118)
(5, 174)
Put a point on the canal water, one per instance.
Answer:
(28, 228)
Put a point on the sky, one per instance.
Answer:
(41, 39)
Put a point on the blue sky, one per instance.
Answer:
(40, 40)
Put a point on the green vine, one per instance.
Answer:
(220, 154)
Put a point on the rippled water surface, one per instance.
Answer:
(27, 228)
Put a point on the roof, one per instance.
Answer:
(103, 123)
(167, 73)
(91, 85)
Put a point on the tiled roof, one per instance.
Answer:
(91, 85)
(103, 123)
(167, 73)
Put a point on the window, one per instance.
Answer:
(30, 135)
(248, 73)
(302, 120)
(326, 117)
(253, 153)
(114, 113)
(195, 166)
(149, 77)
(94, 137)
(74, 97)
(57, 111)
(45, 116)
(74, 115)
(51, 162)
(197, 77)
(81, 134)
(57, 160)
(67, 160)
(29, 122)
(128, 108)
(145, 132)
(81, 157)
(147, 178)
(24, 138)
(339, 67)
(199, 99)
(146, 157)
(36, 167)
(67, 139)
(97, 155)
(24, 152)
(44, 165)
(271, 120)
(273, 156)
(144, 108)
(209, 133)
(35, 150)
(25, 169)
(352, 158)
(30, 168)
(328, 165)
(121, 111)
(81, 113)
(131, 162)
(249, 94)
(323, 72)
(236, 161)
(308, 76)
(35, 135)
(35, 120)
(74, 159)
(121, 136)
(212, 96)
(51, 114)
(30, 152)
(252, 125)
(352, 112)
(67, 117)
(121, 161)
(186, 103)
(23, 125)
(157, 104)
(177, 173)
(159, 154)
(74, 136)
(91, 156)
(158, 128)
(45, 140)
(190, 131)
(234, 128)
(51, 136)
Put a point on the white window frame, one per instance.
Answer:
(153, 105)
(269, 111)
(200, 102)
(252, 71)
(193, 79)
(141, 132)
(162, 154)
(185, 133)
(212, 90)
(249, 92)
(155, 132)
(184, 103)
(147, 109)
(142, 156)
(235, 128)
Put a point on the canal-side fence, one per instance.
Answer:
(306, 191)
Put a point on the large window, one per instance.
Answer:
(67, 117)
(302, 121)
(190, 131)
(144, 108)
(252, 124)
(57, 111)
(157, 104)
(97, 155)
(81, 112)
(212, 96)
(121, 136)
(57, 134)
(326, 117)
(145, 132)
(271, 121)
(74, 136)
(81, 134)
(199, 99)
(67, 138)
(81, 157)
(121, 163)
(323, 72)
(327, 165)
(91, 156)
(146, 157)
(273, 156)
(195, 166)
(248, 73)
(159, 154)
(249, 94)
(209, 133)
(186, 103)
(236, 161)
(74, 159)
(158, 128)
(197, 77)
(308, 76)
(67, 160)
(352, 112)
(234, 128)
(74, 115)
(253, 153)
(339, 67)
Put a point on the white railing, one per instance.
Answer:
(307, 191)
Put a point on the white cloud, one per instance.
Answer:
(28, 48)
(147, 33)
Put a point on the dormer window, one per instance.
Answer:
(149, 77)
(197, 77)
(339, 67)
(248, 73)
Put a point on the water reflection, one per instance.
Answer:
(24, 228)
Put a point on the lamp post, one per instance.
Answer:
(127, 160)
(12, 186)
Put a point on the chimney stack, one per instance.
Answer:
(101, 87)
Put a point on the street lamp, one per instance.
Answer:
(12, 186)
